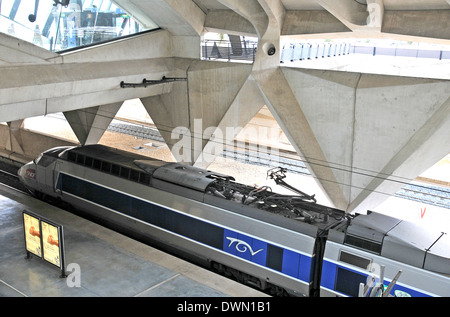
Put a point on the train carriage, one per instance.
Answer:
(277, 243)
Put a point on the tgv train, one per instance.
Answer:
(282, 244)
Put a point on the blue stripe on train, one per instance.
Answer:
(297, 265)
(346, 281)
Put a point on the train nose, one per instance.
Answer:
(20, 173)
(27, 172)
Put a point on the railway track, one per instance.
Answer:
(8, 175)
(431, 195)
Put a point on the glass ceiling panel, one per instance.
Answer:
(58, 27)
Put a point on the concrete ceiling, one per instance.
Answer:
(211, 5)
(427, 19)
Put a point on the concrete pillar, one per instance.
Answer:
(288, 112)
(89, 124)
(376, 133)
(188, 114)
(376, 12)
(251, 11)
(14, 143)
(428, 145)
(244, 107)
(401, 128)
(349, 12)
(169, 111)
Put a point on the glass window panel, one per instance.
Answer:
(58, 28)
(5, 7)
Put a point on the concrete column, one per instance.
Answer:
(31, 143)
(244, 107)
(373, 133)
(213, 87)
(250, 10)
(428, 145)
(376, 12)
(288, 112)
(269, 47)
(187, 115)
(268, 19)
(14, 143)
(169, 111)
(349, 12)
(90, 124)
(327, 101)
(401, 128)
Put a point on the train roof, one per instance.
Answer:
(380, 234)
(175, 173)
(111, 155)
(397, 239)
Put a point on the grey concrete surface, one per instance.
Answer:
(110, 264)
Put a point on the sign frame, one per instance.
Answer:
(51, 249)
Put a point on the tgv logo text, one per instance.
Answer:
(242, 246)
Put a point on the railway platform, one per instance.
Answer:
(102, 263)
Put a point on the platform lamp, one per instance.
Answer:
(64, 3)
(32, 17)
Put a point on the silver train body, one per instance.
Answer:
(284, 244)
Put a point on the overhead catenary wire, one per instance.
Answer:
(304, 159)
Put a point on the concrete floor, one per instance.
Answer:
(109, 264)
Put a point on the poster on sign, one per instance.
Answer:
(50, 243)
(32, 234)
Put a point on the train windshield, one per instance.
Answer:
(37, 159)
(48, 157)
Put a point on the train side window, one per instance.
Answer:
(72, 157)
(80, 159)
(144, 178)
(368, 245)
(124, 172)
(88, 161)
(106, 167)
(115, 170)
(355, 260)
(347, 282)
(97, 164)
(134, 175)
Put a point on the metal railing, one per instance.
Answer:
(226, 50)
(305, 51)
(401, 52)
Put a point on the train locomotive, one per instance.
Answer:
(280, 244)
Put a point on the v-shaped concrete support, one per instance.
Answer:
(90, 124)
(14, 142)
